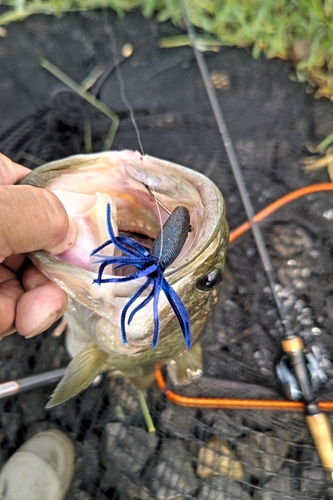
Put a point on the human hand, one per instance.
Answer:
(31, 219)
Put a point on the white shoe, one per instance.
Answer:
(41, 469)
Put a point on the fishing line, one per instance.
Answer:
(157, 200)
(136, 128)
(122, 91)
(161, 222)
(158, 204)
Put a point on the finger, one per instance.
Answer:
(33, 219)
(32, 277)
(10, 292)
(14, 262)
(11, 172)
(40, 306)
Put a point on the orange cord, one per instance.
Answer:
(249, 404)
(284, 200)
(232, 403)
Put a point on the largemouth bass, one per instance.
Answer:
(87, 185)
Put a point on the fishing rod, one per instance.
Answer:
(13, 387)
(292, 343)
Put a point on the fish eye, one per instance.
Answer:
(210, 280)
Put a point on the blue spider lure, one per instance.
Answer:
(150, 264)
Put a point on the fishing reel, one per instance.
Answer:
(319, 369)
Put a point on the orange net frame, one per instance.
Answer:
(249, 404)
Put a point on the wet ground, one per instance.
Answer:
(196, 453)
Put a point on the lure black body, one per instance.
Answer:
(172, 237)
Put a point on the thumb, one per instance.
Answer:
(33, 219)
(11, 172)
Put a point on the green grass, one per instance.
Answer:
(299, 31)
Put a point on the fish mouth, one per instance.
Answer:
(85, 184)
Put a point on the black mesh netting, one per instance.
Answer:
(203, 454)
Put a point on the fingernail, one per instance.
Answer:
(69, 241)
(44, 325)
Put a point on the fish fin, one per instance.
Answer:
(186, 367)
(80, 373)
